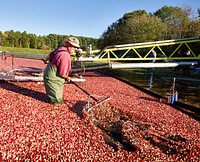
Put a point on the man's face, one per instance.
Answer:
(72, 49)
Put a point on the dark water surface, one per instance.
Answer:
(188, 87)
(29, 56)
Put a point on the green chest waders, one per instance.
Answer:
(53, 84)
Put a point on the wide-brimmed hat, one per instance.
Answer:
(73, 41)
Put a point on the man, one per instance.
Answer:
(57, 70)
(153, 54)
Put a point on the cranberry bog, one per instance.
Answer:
(131, 126)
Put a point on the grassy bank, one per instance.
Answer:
(24, 50)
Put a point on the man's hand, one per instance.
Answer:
(68, 79)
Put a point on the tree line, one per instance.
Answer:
(166, 23)
(25, 40)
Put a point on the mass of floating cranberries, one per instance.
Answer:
(131, 126)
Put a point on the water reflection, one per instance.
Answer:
(29, 56)
(149, 80)
(188, 89)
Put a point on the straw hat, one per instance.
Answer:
(73, 41)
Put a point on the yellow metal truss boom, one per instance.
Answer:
(166, 50)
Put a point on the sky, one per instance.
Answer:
(87, 18)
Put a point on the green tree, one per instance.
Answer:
(141, 28)
(11, 38)
(25, 40)
(1, 38)
(33, 41)
(17, 38)
(40, 42)
(176, 19)
(53, 41)
(136, 26)
(5, 41)
(193, 28)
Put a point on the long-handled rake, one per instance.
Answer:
(99, 102)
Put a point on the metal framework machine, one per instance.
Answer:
(136, 55)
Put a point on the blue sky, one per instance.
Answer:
(89, 18)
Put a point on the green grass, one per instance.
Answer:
(24, 50)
